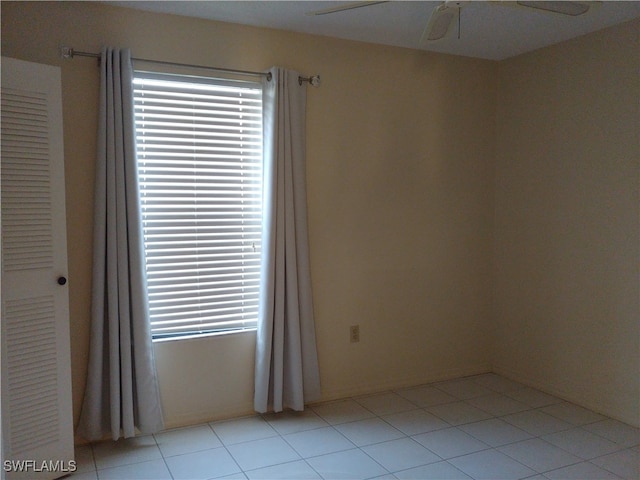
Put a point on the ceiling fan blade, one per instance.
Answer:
(343, 8)
(565, 8)
(440, 22)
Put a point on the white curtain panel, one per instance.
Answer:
(122, 392)
(287, 374)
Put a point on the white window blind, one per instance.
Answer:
(199, 150)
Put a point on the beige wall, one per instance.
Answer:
(400, 182)
(567, 233)
(402, 155)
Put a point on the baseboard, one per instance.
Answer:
(246, 409)
(197, 418)
(402, 382)
(563, 393)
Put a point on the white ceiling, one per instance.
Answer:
(488, 29)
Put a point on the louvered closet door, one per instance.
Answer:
(37, 423)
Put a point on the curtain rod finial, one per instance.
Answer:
(314, 80)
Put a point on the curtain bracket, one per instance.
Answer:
(66, 52)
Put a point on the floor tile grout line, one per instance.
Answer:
(375, 415)
(495, 449)
(381, 393)
(486, 447)
(494, 416)
(405, 436)
(304, 459)
(312, 468)
(540, 437)
(164, 459)
(242, 470)
(393, 426)
(377, 443)
(440, 458)
(580, 428)
(580, 463)
(378, 463)
(580, 460)
(330, 426)
(605, 468)
(93, 460)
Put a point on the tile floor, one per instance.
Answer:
(481, 427)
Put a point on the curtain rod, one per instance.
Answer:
(69, 52)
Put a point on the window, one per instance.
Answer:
(199, 149)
